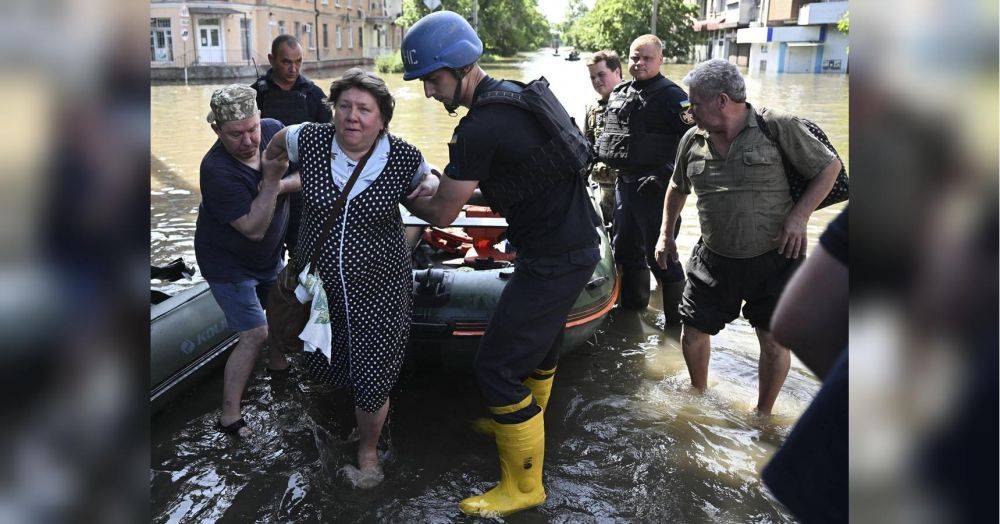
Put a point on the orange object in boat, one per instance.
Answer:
(484, 238)
(450, 241)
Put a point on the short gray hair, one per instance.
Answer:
(715, 76)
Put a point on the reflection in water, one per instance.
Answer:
(626, 437)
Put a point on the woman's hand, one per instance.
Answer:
(428, 186)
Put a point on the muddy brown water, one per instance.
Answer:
(626, 438)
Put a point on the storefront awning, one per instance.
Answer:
(803, 44)
(214, 11)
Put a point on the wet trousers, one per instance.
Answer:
(638, 217)
(524, 332)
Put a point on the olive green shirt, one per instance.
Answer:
(743, 199)
(592, 126)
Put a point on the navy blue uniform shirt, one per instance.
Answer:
(494, 137)
(228, 187)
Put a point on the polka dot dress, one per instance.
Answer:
(364, 266)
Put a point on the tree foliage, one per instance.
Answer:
(505, 26)
(575, 10)
(844, 25)
(613, 24)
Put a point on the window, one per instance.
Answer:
(340, 38)
(361, 37)
(336, 3)
(281, 27)
(308, 28)
(326, 2)
(161, 41)
(298, 31)
(350, 39)
(245, 36)
(326, 41)
(349, 2)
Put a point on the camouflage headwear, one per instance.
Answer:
(231, 103)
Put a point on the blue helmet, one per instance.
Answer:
(442, 39)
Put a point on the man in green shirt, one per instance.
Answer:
(753, 233)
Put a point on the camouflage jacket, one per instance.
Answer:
(594, 122)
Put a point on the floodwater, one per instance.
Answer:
(626, 438)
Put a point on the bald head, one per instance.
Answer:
(645, 56)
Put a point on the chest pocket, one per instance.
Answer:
(695, 169)
(762, 164)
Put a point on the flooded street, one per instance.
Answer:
(626, 438)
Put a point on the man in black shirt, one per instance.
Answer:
(519, 146)
(286, 95)
(644, 121)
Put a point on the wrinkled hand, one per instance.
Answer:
(428, 186)
(666, 251)
(792, 241)
(650, 185)
(273, 164)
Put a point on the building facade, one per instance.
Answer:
(232, 38)
(774, 36)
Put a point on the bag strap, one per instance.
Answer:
(339, 204)
(766, 129)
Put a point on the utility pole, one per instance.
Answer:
(652, 22)
(475, 15)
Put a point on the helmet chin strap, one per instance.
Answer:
(453, 105)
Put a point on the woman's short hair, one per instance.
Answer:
(715, 76)
(358, 78)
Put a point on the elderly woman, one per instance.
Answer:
(361, 285)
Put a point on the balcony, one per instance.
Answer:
(784, 11)
(822, 13)
(763, 35)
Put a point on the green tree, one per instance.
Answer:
(844, 25)
(576, 10)
(613, 24)
(505, 26)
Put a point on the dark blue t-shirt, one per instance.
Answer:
(228, 188)
(494, 137)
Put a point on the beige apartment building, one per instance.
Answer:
(228, 38)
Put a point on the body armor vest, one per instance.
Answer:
(289, 107)
(565, 155)
(636, 135)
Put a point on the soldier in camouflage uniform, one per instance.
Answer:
(605, 73)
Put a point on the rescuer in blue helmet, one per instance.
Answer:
(520, 147)
(441, 40)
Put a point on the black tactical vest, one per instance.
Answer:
(637, 135)
(289, 107)
(565, 155)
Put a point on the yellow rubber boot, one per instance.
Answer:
(522, 452)
(541, 389)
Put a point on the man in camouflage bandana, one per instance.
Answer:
(241, 222)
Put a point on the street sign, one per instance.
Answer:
(184, 34)
(184, 11)
(185, 22)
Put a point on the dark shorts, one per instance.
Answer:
(242, 302)
(717, 286)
